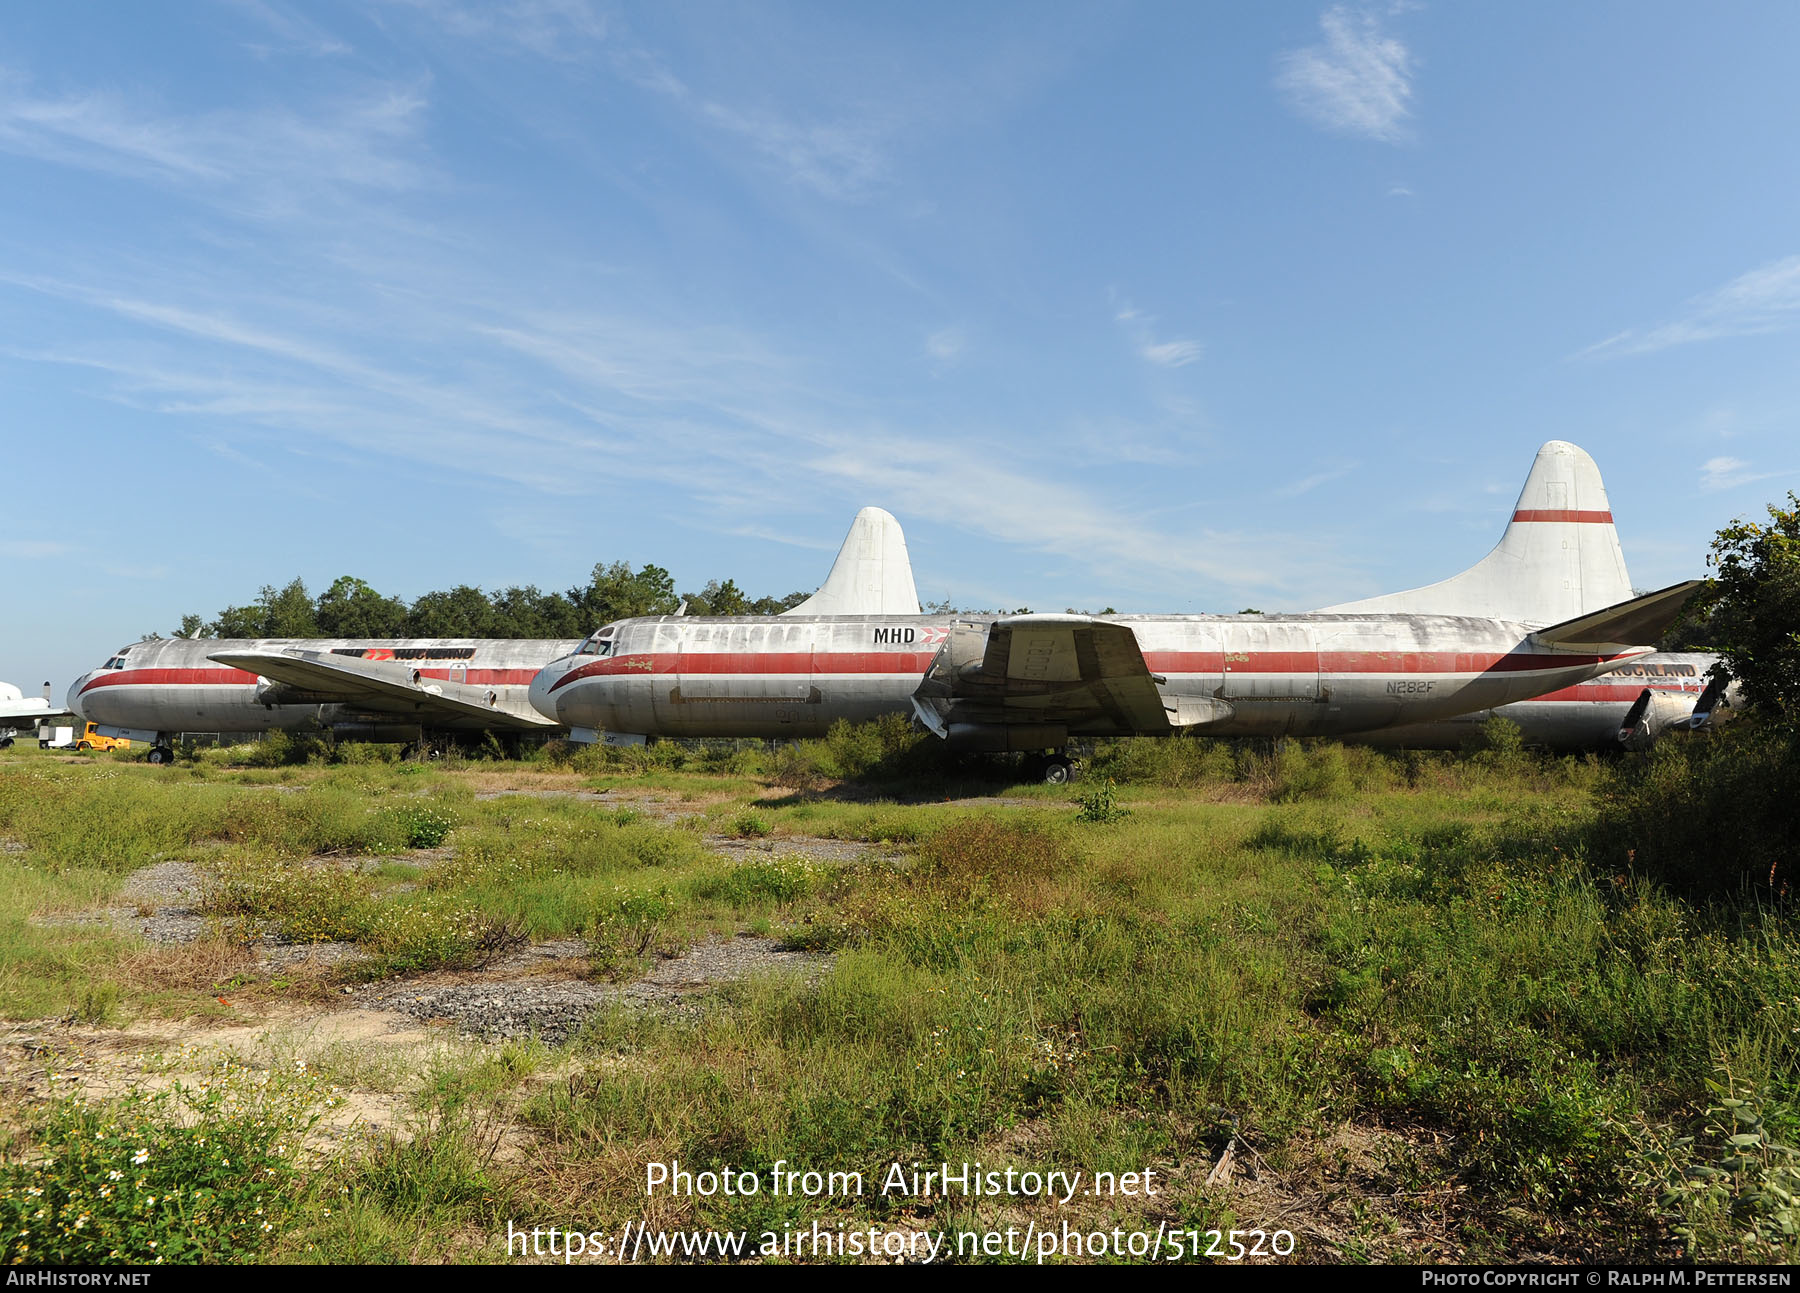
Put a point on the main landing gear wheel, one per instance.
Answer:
(1058, 771)
(160, 754)
(6, 742)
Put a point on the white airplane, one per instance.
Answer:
(19, 711)
(400, 690)
(1550, 607)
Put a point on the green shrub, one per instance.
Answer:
(1733, 1191)
(1711, 813)
(424, 826)
(1100, 804)
(174, 1176)
(627, 927)
(1174, 762)
(760, 880)
(748, 825)
(1317, 773)
(430, 934)
(356, 753)
(280, 748)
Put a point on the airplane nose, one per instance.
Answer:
(73, 700)
(539, 695)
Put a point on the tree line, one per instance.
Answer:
(351, 608)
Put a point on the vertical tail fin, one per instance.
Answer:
(872, 574)
(1559, 558)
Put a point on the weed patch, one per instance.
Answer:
(183, 1175)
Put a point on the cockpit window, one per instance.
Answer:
(600, 644)
(117, 662)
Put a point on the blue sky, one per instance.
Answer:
(1169, 307)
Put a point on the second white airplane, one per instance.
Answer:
(1549, 607)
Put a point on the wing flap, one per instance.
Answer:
(1075, 670)
(382, 686)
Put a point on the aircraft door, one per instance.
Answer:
(1269, 662)
(1355, 666)
(1270, 674)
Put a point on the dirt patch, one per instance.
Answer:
(368, 1064)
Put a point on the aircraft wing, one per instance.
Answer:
(31, 710)
(1051, 669)
(1638, 622)
(379, 685)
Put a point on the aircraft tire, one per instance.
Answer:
(1058, 771)
(6, 742)
(160, 754)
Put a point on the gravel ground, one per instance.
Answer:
(811, 846)
(167, 884)
(556, 1010)
(157, 902)
(516, 996)
(160, 907)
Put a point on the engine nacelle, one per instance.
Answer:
(378, 733)
(991, 738)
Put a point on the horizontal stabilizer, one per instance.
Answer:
(383, 687)
(872, 574)
(1636, 623)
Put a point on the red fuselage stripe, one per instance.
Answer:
(1562, 514)
(1616, 692)
(220, 677)
(913, 663)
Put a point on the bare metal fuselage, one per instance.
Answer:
(173, 685)
(1300, 675)
(1585, 716)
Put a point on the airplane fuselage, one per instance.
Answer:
(1301, 675)
(1584, 716)
(172, 685)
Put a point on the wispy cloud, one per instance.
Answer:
(1728, 473)
(380, 354)
(264, 162)
(1358, 82)
(296, 33)
(840, 156)
(1308, 483)
(564, 30)
(1175, 352)
(34, 549)
(946, 345)
(839, 159)
(763, 532)
(1767, 299)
